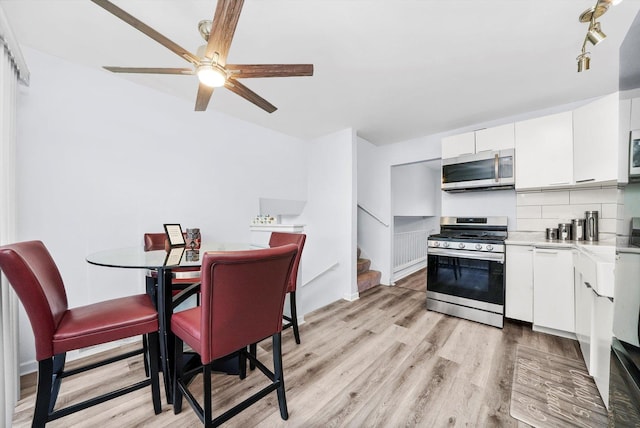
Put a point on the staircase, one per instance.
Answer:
(366, 278)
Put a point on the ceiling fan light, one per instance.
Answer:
(211, 76)
(584, 62)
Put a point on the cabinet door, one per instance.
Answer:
(595, 141)
(496, 138)
(602, 323)
(553, 294)
(635, 113)
(544, 151)
(519, 283)
(457, 145)
(583, 315)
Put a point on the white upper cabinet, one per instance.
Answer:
(457, 145)
(544, 151)
(595, 141)
(635, 113)
(496, 138)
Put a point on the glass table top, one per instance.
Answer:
(137, 258)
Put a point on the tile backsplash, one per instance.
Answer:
(538, 210)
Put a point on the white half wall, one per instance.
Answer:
(101, 161)
(329, 269)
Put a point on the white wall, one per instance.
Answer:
(101, 160)
(374, 195)
(414, 189)
(481, 204)
(330, 218)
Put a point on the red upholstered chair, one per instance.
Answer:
(182, 277)
(35, 277)
(277, 239)
(243, 295)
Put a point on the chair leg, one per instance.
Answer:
(278, 375)
(177, 376)
(253, 350)
(153, 347)
(242, 363)
(43, 396)
(294, 316)
(59, 361)
(206, 380)
(146, 353)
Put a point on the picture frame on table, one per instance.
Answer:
(174, 256)
(174, 235)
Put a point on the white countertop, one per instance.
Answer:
(538, 238)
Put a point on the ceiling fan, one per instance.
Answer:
(210, 62)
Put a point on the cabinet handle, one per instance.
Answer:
(598, 294)
(496, 167)
(585, 180)
(545, 251)
(588, 285)
(558, 184)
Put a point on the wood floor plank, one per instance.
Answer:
(382, 360)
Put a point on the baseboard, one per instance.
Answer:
(554, 332)
(397, 276)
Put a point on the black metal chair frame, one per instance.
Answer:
(183, 378)
(51, 372)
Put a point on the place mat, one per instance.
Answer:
(553, 391)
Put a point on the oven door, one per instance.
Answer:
(469, 274)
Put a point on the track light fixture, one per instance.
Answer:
(594, 34)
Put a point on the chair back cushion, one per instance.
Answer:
(36, 279)
(278, 239)
(242, 298)
(154, 241)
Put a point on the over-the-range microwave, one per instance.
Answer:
(634, 156)
(487, 170)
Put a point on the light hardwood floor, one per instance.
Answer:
(381, 361)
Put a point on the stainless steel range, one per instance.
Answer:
(465, 272)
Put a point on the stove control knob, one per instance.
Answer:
(445, 244)
(478, 246)
(489, 247)
(436, 244)
(461, 245)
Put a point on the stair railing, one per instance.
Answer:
(373, 215)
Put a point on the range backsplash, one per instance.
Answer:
(538, 210)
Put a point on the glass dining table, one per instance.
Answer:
(164, 263)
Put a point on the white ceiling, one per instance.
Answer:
(393, 70)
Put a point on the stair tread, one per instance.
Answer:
(363, 265)
(368, 279)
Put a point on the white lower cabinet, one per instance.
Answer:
(553, 289)
(584, 313)
(519, 283)
(601, 332)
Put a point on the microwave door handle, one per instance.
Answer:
(496, 166)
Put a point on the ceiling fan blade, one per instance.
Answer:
(203, 97)
(148, 70)
(269, 70)
(141, 26)
(223, 26)
(249, 95)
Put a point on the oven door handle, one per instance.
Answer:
(461, 254)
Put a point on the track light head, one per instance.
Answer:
(595, 34)
(584, 62)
